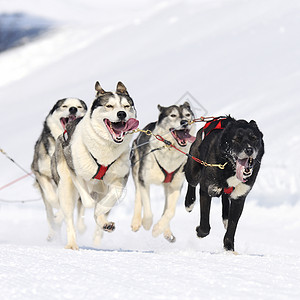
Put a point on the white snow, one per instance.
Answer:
(237, 56)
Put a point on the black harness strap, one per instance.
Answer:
(152, 150)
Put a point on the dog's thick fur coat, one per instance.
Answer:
(98, 140)
(152, 163)
(64, 111)
(240, 145)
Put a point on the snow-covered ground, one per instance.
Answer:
(236, 56)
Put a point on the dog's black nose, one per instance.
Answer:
(73, 110)
(184, 123)
(249, 151)
(121, 115)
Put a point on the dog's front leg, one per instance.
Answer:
(205, 201)
(190, 198)
(235, 211)
(104, 205)
(67, 198)
(163, 225)
(225, 209)
(80, 216)
(137, 215)
(147, 216)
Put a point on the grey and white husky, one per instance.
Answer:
(64, 111)
(152, 163)
(93, 162)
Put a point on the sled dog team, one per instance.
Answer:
(83, 157)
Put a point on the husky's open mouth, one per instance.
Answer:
(119, 129)
(66, 120)
(244, 168)
(182, 136)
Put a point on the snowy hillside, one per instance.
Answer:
(235, 57)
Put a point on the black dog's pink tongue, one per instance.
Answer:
(185, 135)
(241, 164)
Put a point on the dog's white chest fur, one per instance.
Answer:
(240, 188)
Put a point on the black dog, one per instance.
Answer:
(238, 147)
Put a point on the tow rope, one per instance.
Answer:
(169, 144)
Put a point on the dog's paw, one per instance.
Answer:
(136, 224)
(50, 237)
(147, 223)
(170, 238)
(201, 233)
(190, 207)
(72, 246)
(228, 244)
(109, 227)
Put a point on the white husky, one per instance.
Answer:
(154, 164)
(93, 162)
(64, 111)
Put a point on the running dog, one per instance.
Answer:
(153, 163)
(92, 161)
(238, 147)
(63, 112)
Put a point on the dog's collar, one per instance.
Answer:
(168, 176)
(101, 171)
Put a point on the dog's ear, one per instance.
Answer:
(160, 108)
(99, 89)
(254, 125)
(121, 89)
(187, 105)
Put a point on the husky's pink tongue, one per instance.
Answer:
(131, 124)
(241, 164)
(192, 139)
(185, 136)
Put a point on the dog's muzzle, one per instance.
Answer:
(118, 130)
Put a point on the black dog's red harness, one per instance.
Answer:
(216, 123)
(228, 190)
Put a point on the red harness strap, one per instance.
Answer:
(168, 176)
(100, 172)
(228, 190)
(101, 169)
(216, 123)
